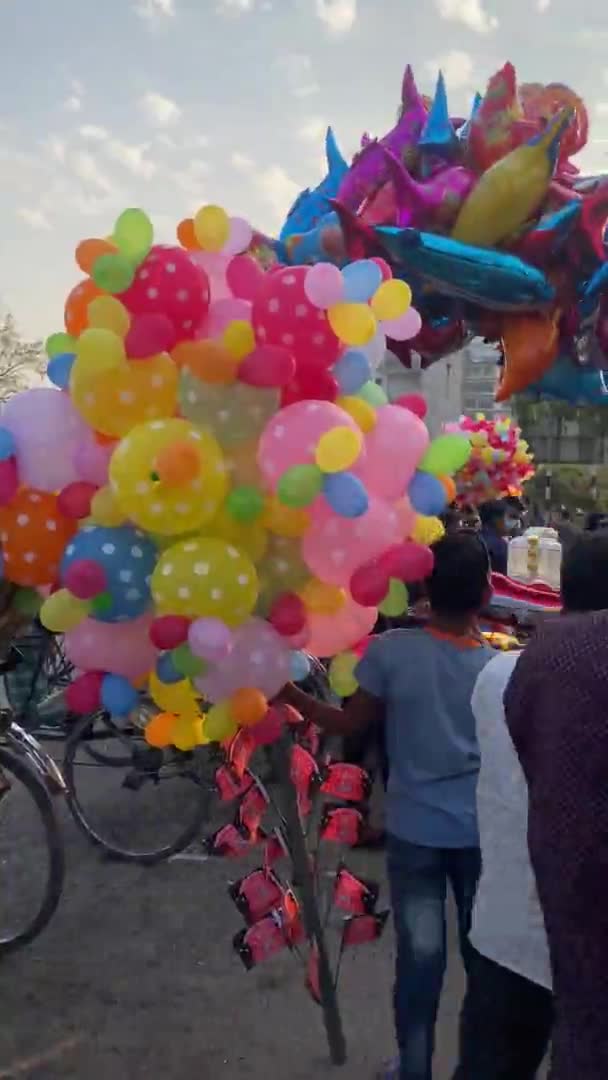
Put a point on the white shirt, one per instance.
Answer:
(508, 924)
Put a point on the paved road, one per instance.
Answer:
(135, 978)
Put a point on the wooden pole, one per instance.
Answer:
(310, 908)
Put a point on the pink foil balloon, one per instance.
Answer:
(47, 429)
(259, 658)
(120, 648)
(400, 438)
(291, 437)
(334, 547)
(331, 634)
(214, 263)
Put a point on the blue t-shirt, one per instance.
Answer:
(426, 682)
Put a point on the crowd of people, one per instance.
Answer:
(496, 787)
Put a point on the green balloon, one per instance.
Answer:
(113, 273)
(186, 662)
(373, 394)
(101, 604)
(245, 503)
(59, 343)
(446, 454)
(300, 485)
(134, 234)
(27, 602)
(396, 600)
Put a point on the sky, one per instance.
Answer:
(170, 104)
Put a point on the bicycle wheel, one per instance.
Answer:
(138, 803)
(31, 854)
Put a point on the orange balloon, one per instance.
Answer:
(206, 360)
(248, 706)
(187, 236)
(34, 534)
(159, 729)
(449, 487)
(529, 344)
(178, 464)
(89, 250)
(76, 315)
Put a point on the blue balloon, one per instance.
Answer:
(438, 136)
(128, 558)
(118, 696)
(310, 206)
(352, 371)
(8, 446)
(59, 369)
(345, 494)
(166, 670)
(361, 279)
(427, 494)
(566, 382)
(299, 666)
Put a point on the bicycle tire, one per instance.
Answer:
(187, 834)
(13, 764)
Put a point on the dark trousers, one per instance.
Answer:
(505, 1025)
(418, 878)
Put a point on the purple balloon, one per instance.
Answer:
(210, 639)
(47, 430)
(259, 658)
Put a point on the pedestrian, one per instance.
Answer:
(556, 713)
(493, 530)
(419, 682)
(567, 532)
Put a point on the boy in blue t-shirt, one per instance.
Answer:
(419, 683)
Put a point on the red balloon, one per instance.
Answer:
(85, 579)
(283, 315)
(310, 385)
(383, 266)
(9, 480)
(414, 402)
(369, 584)
(408, 561)
(169, 631)
(288, 614)
(169, 283)
(244, 276)
(84, 694)
(269, 729)
(74, 501)
(149, 335)
(267, 366)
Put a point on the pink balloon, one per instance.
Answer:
(370, 583)
(405, 327)
(210, 639)
(331, 634)
(292, 435)
(239, 237)
(334, 547)
(324, 285)
(149, 335)
(259, 658)
(85, 579)
(91, 459)
(47, 429)
(406, 515)
(9, 481)
(408, 562)
(169, 282)
(283, 315)
(244, 276)
(74, 501)
(221, 314)
(267, 366)
(84, 694)
(214, 264)
(120, 648)
(393, 449)
(415, 403)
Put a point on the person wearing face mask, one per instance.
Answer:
(493, 532)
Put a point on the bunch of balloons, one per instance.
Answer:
(490, 222)
(500, 461)
(215, 481)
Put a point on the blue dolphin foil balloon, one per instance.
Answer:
(311, 206)
(566, 382)
(493, 279)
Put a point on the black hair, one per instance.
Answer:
(491, 512)
(564, 513)
(585, 573)
(460, 578)
(451, 518)
(595, 520)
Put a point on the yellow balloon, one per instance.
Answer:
(338, 449)
(239, 338)
(160, 507)
(478, 438)
(322, 598)
(218, 723)
(250, 538)
(211, 227)
(178, 698)
(105, 510)
(342, 674)
(107, 313)
(205, 577)
(354, 324)
(391, 299)
(284, 520)
(188, 732)
(427, 530)
(62, 611)
(360, 411)
(135, 392)
(99, 352)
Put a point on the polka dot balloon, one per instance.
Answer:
(205, 577)
(234, 413)
(283, 315)
(169, 283)
(134, 393)
(127, 558)
(34, 534)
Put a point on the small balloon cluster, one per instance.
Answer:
(215, 481)
(489, 219)
(500, 462)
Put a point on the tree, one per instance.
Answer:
(21, 362)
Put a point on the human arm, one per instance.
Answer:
(361, 710)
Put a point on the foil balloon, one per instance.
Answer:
(530, 344)
(311, 206)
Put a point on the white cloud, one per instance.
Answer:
(154, 12)
(36, 219)
(313, 129)
(191, 179)
(278, 190)
(159, 110)
(299, 74)
(93, 132)
(85, 167)
(339, 16)
(456, 65)
(601, 108)
(241, 161)
(471, 13)
(55, 147)
(72, 103)
(543, 5)
(234, 7)
(131, 157)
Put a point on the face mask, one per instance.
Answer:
(511, 523)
